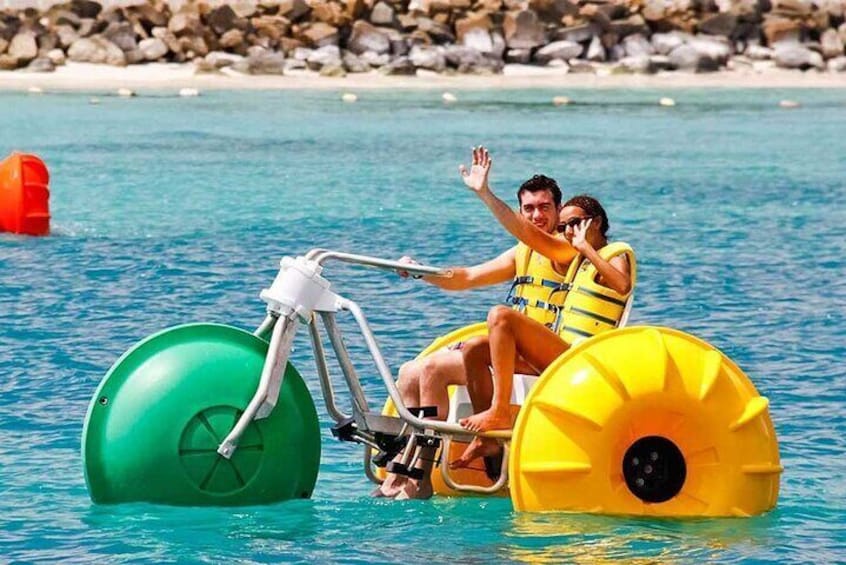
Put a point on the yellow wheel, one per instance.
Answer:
(471, 476)
(645, 421)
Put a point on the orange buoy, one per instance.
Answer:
(24, 195)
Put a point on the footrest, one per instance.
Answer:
(345, 429)
(389, 447)
(424, 411)
(400, 469)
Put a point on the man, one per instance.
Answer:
(425, 382)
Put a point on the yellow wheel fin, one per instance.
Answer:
(712, 363)
(694, 500)
(762, 469)
(754, 408)
(559, 411)
(661, 353)
(557, 467)
(609, 375)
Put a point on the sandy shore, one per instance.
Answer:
(84, 77)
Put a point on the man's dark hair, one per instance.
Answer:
(538, 183)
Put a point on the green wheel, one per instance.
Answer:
(154, 424)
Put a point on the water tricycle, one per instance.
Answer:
(635, 421)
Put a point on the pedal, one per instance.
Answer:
(424, 411)
(400, 469)
(345, 429)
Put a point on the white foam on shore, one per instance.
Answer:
(89, 77)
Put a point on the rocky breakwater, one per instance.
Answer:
(405, 37)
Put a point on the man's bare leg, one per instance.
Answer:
(437, 374)
(409, 389)
(420, 489)
(512, 333)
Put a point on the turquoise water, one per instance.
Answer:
(169, 210)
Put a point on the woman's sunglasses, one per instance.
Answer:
(571, 223)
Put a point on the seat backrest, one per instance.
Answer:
(624, 319)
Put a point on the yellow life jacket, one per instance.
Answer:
(590, 308)
(538, 289)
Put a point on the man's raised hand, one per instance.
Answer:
(477, 177)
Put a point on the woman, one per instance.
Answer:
(599, 273)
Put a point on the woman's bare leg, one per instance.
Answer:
(438, 373)
(512, 333)
(477, 359)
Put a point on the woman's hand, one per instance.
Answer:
(580, 235)
(476, 178)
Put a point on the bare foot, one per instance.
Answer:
(487, 420)
(390, 487)
(479, 447)
(411, 489)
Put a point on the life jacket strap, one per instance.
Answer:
(523, 303)
(528, 279)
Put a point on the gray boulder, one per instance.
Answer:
(399, 66)
(635, 64)
(664, 43)
(479, 39)
(716, 49)
(523, 30)
(57, 56)
(152, 49)
(758, 53)
(221, 59)
(518, 56)
(789, 55)
(67, 35)
(96, 50)
(375, 59)
(41, 65)
(366, 37)
(719, 24)
(497, 45)
(122, 35)
(637, 46)
(23, 47)
(267, 63)
(832, 45)
(660, 63)
(579, 33)
(467, 60)
(428, 57)
(353, 63)
(382, 15)
(596, 51)
(563, 50)
(837, 65)
(326, 56)
(688, 58)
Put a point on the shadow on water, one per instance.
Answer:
(556, 538)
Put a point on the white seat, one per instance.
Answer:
(461, 407)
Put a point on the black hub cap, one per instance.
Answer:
(654, 469)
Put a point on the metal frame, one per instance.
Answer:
(298, 293)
